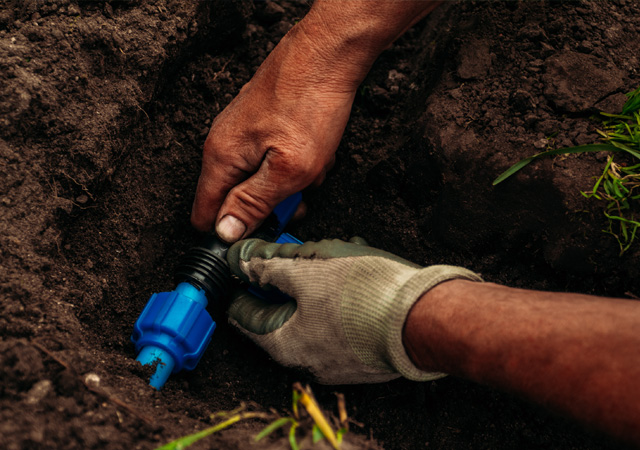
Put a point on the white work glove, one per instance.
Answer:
(351, 302)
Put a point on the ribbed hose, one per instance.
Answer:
(205, 267)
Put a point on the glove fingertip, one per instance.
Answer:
(257, 315)
(241, 251)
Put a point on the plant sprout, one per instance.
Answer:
(618, 182)
(321, 428)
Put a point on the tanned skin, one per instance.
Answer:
(576, 354)
(280, 134)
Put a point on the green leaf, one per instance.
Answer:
(616, 190)
(186, 441)
(317, 433)
(633, 104)
(617, 116)
(560, 151)
(292, 437)
(607, 185)
(273, 426)
(513, 169)
(341, 432)
(623, 219)
(294, 402)
(625, 148)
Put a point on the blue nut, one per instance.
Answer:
(173, 331)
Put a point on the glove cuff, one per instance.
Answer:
(407, 296)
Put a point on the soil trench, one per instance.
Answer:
(104, 108)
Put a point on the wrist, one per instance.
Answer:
(413, 295)
(345, 38)
(346, 47)
(424, 330)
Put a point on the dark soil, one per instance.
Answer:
(104, 108)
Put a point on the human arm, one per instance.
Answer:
(280, 134)
(362, 315)
(576, 354)
(344, 321)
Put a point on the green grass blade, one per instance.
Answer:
(273, 426)
(633, 104)
(633, 101)
(292, 437)
(615, 186)
(604, 173)
(625, 149)
(317, 434)
(513, 169)
(617, 116)
(631, 239)
(294, 403)
(186, 441)
(340, 433)
(559, 151)
(623, 219)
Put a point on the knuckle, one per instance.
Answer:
(253, 206)
(302, 164)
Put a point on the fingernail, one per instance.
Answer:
(230, 229)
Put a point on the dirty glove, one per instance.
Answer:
(351, 302)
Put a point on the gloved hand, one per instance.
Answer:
(351, 302)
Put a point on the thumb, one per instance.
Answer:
(250, 202)
(255, 315)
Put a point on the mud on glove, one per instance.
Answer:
(351, 302)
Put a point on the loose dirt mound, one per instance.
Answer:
(104, 108)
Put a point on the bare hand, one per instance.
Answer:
(278, 136)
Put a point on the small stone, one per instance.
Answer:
(394, 75)
(39, 391)
(541, 143)
(82, 199)
(92, 379)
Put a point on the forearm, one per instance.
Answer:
(574, 353)
(348, 36)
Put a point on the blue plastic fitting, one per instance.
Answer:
(174, 329)
(286, 238)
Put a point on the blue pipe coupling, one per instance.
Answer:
(173, 331)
